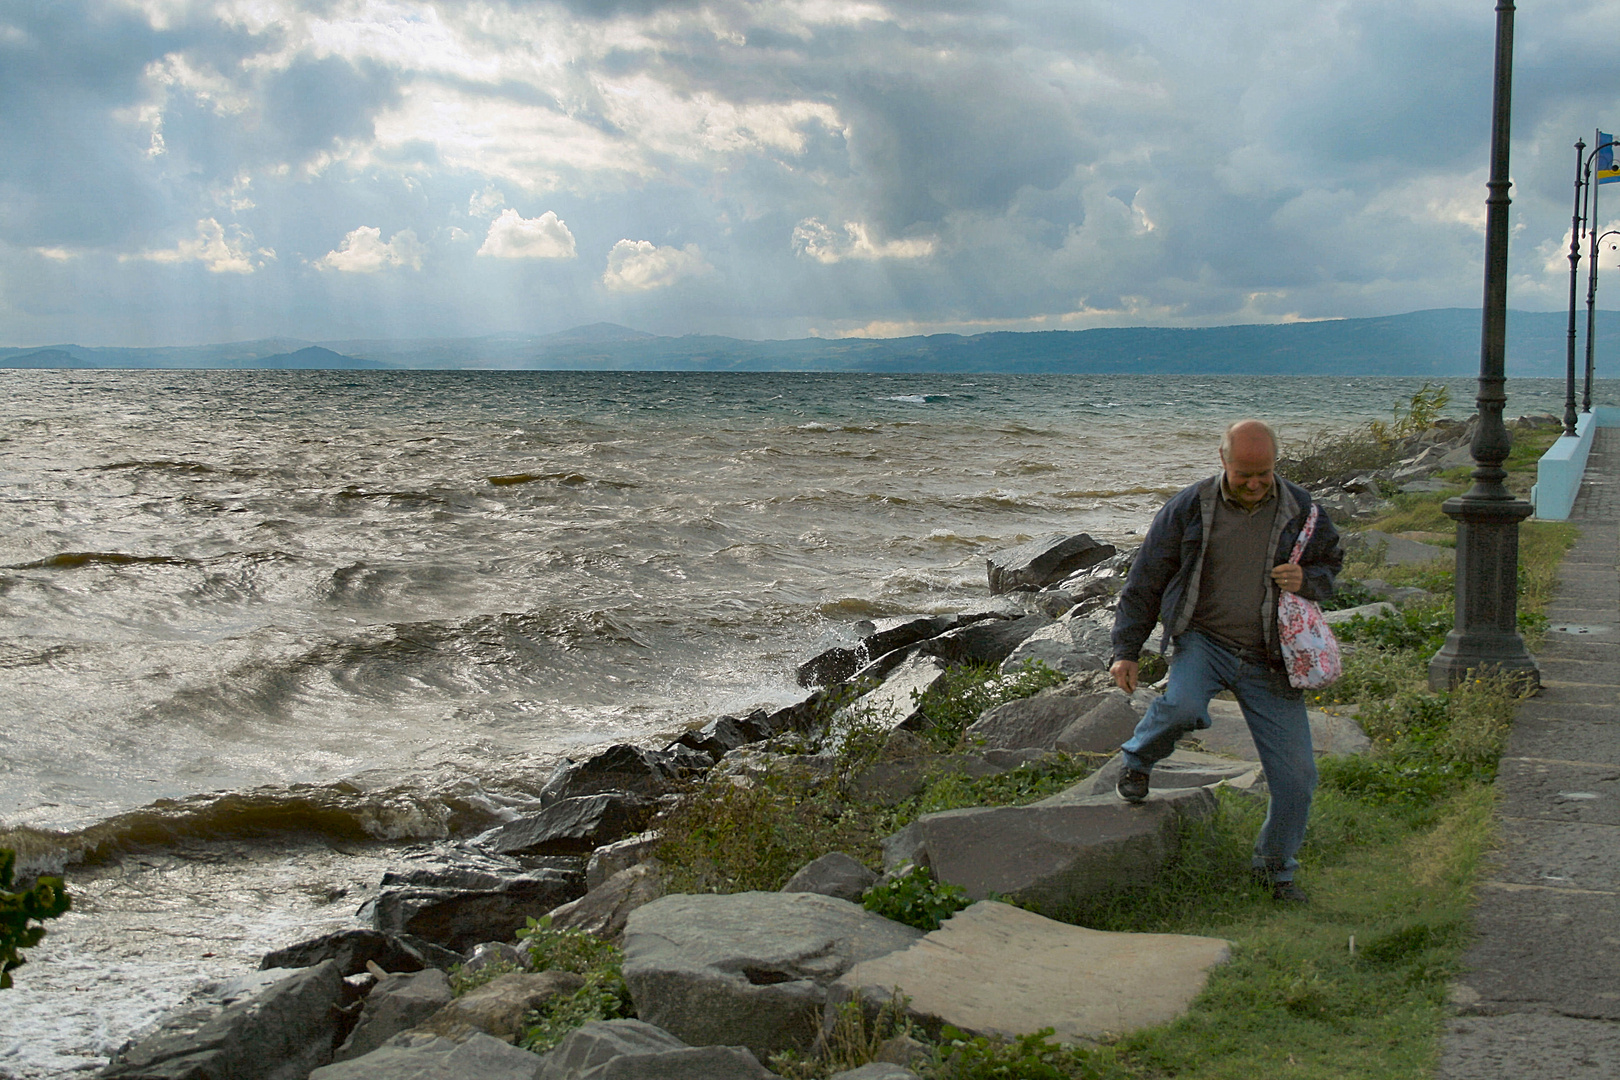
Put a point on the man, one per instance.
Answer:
(1210, 569)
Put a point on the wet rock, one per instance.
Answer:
(457, 905)
(988, 642)
(396, 1004)
(604, 910)
(834, 874)
(498, 1007)
(995, 970)
(620, 768)
(351, 950)
(724, 734)
(747, 969)
(422, 1056)
(286, 1029)
(894, 701)
(1043, 562)
(636, 1050)
(1053, 854)
(833, 665)
(572, 826)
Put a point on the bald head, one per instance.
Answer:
(1249, 456)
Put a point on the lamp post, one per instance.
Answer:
(1591, 301)
(1577, 229)
(1485, 636)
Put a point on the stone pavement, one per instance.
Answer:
(1540, 996)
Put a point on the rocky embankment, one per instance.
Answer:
(721, 982)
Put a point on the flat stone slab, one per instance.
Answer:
(1562, 854)
(994, 969)
(1561, 790)
(1541, 948)
(1051, 855)
(1182, 769)
(1529, 1045)
(1565, 738)
(894, 702)
(1229, 733)
(749, 969)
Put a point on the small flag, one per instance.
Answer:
(1607, 171)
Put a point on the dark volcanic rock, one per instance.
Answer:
(988, 642)
(623, 767)
(1043, 562)
(724, 734)
(572, 826)
(351, 949)
(834, 665)
(461, 898)
(285, 1030)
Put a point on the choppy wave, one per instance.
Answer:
(344, 810)
(72, 560)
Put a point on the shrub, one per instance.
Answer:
(1372, 446)
(603, 997)
(916, 899)
(965, 692)
(22, 913)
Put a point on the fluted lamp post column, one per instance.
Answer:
(1591, 312)
(1485, 636)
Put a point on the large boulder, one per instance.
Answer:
(353, 950)
(747, 969)
(636, 1050)
(499, 1006)
(1182, 769)
(995, 970)
(1043, 562)
(396, 1004)
(1102, 728)
(832, 665)
(724, 734)
(609, 859)
(572, 826)
(894, 701)
(834, 874)
(1229, 733)
(987, 642)
(284, 1030)
(620, 768)
(604, 910)
(1030, 722)
(460, 898)
(1052, 855)
(1396, 550)
(424, 1056)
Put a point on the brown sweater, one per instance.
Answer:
(1237, 568)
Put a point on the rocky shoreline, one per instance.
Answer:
(721, 982)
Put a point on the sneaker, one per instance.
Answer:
(1133, 785)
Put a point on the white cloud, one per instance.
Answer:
(513, 236)
(817, 240)
(484, 203)
(55, 254)
(221, 253)
(639, 265)
(363, 252)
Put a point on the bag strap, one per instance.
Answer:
(1305, 535)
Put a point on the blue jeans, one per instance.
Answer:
(1275, 712)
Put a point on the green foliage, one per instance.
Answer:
(855, 1039)
(1031, 781)
(916, 899)
(463, 981)
(22, 912)
(961, 1056)
(1421, 627)
(1368, 448)
(1349, 593)
(604, 996)
(965, 692)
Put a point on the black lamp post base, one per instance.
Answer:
(1486, 635)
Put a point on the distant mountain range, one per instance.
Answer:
(1440, 342)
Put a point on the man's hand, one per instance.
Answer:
(1124, 673)
(1288, 576)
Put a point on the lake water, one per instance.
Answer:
(256, 627)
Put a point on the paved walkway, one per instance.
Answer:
(1541, 993)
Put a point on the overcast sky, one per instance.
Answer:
(183, 172)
